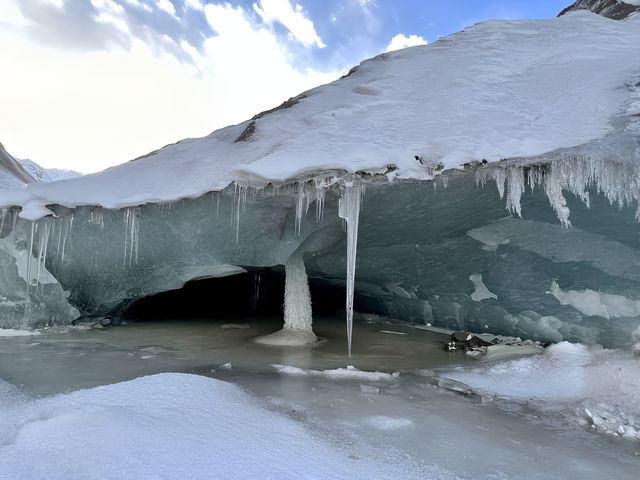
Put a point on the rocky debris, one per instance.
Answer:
(97, 323)
(466, 341)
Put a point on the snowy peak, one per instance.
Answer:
(42, 175)
(12, 174)
(614, 9)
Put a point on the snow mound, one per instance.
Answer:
(349, 373)
(12, 332)
(502, 89)
(169, 426)
(601, 387)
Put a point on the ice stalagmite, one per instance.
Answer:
(297, 299)
(298, 320)
(349, 210)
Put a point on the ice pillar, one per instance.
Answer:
(349, 210)
(298, 319)
(297, 299)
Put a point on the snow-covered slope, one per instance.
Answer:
(41, 174)
(12, 174)
(615, 9)
(497, 90)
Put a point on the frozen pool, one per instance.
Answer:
(403, 422)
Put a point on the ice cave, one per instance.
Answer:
(488, 182)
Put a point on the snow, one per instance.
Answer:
(502, 89)
(12, 332)
(383, 422)
(348, 373)
(41, 174)
(603, 386)
(12, 174)
(169, 426)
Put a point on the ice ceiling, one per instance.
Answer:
(383, 183)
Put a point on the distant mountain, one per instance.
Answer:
(12, 174)
(41, 174)
(614, 9)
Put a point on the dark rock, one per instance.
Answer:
(465, 341)
(613, 9)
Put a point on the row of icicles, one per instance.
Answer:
(619, 182)
(304, 193)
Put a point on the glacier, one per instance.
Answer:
(381, 183)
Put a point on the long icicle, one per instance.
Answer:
(349, 210)
(27, 299)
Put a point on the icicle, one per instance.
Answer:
(349, 210)
(553, 190)
(97, 218)
(132, 227)
(45, 248)
(299, 204)
(320, 188)
(515, 184)
(27, 299)
(4, 214)
(67, 233)
(239, 201)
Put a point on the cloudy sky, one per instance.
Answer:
(86, 84)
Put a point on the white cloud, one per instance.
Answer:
(281, 11)
(401, 41)
(194, 4)
(90, 110)
(55, 3)
(167, 6)
(108, 5)
(10, 13)
(139, 4)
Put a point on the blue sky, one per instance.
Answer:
(94, 83)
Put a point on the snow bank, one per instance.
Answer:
(11, 332)
(169, 426)
(349, 373)
(502, 89)
(601, 386)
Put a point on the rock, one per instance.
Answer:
(465, 341)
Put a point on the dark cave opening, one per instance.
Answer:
(256, 293)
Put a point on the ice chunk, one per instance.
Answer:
(350, 372)
(591, 302)
(481, 291)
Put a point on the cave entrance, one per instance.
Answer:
(258, 293)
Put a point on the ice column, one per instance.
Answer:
(349, 210)
(298, 321)
(297, 299)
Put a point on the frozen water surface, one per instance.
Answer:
(410, 423)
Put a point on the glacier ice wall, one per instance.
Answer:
(552, 253)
